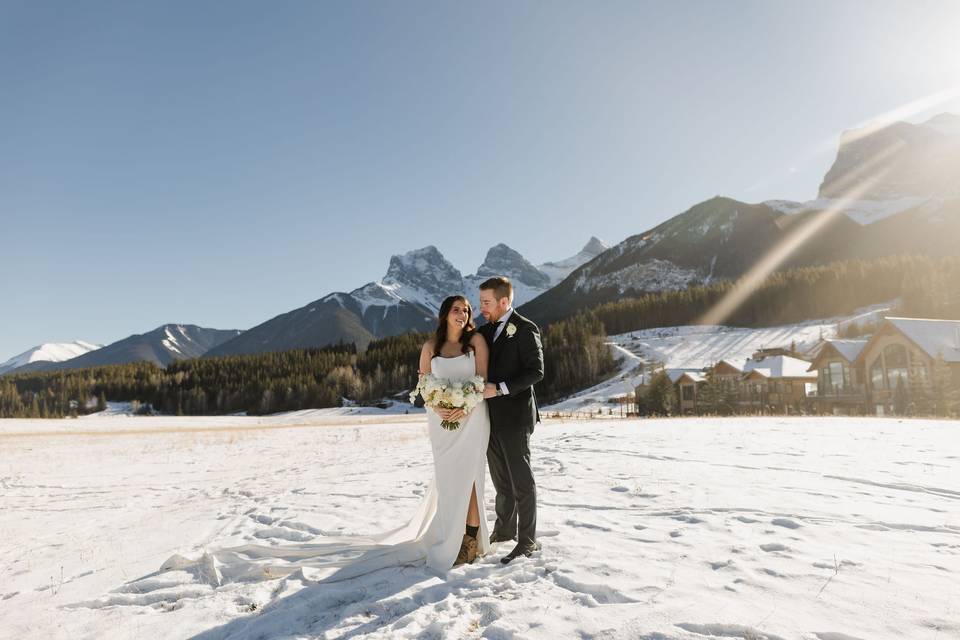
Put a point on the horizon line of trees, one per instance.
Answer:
(575, 356)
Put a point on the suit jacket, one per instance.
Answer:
(516, 360)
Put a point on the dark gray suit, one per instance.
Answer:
(517, 361)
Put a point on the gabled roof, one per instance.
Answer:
(933, 336)
(691, 376)
(846, 349)
(780, 367)
(849, 349)
(676, 374)
(729, 364)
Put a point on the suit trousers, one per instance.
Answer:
(508, 457)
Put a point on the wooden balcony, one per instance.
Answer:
(857, 391)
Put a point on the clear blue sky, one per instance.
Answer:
(218, 163)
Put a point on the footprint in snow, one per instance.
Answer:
(785, 522)
(689, 519)
(727, 631)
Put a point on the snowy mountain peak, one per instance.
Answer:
(49, 352)
(562, 268)
(421, 276)
(421, 267)
(595, 246)
(501, 260)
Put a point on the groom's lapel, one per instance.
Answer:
(494, 344)
(498, 342)
(487, 334)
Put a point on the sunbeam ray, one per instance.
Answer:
(857, 183)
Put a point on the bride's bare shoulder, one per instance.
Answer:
(478, 341)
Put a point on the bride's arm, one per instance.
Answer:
(426, 354)
(481, 353)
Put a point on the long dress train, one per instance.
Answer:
(432, 536)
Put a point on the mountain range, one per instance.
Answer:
(891, 190)
(161, 346)
(406, 299)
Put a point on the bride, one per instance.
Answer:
(457, 351)
(447, 529)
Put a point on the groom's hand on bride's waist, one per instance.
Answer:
(489, 391)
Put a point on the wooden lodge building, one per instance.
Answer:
(840, 385)
(899, 369)
(775, 384)
(763, 384)
(902, 355)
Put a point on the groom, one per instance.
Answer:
(516, 364)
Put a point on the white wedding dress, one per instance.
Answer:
(432, 536)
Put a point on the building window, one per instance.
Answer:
(876, 374)
(895, 359)
(687, 392)
(920, 371)
(839, 376)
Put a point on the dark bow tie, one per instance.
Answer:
(497, 323)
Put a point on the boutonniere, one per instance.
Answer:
(511, 330)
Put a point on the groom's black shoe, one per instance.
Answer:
(496, 537)
(525, 549)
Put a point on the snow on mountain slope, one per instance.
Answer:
(423, 277)
(560, 269)
(501, 260)
(178, 340)
(863, 212)
(652, 275)
(49, 352)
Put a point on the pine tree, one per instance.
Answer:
(901, 398)
(921, 400)
(660, 395)
(943, 389)
(710, 392)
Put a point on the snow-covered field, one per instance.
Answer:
(813, 529)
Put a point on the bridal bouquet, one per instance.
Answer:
(449, 394)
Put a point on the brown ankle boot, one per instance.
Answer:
(468, 550)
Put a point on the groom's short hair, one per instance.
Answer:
(500, 285)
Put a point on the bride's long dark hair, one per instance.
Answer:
(440, 336)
